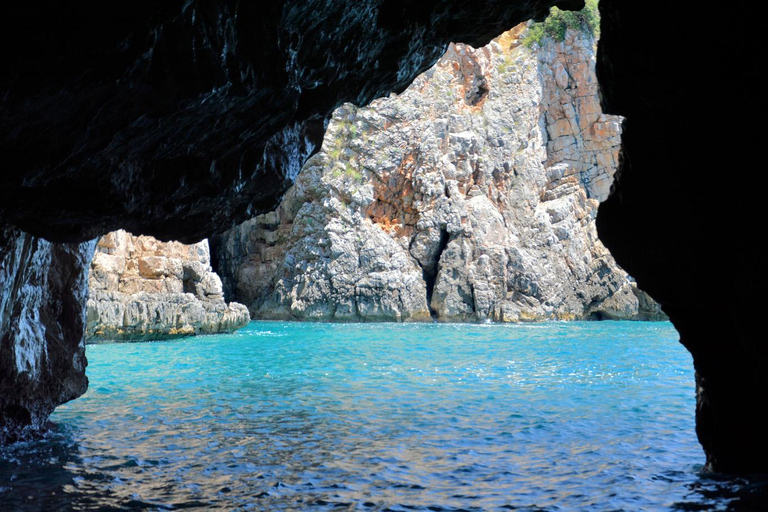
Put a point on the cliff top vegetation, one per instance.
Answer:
(559, 21)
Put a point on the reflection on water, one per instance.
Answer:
(51, 474)
(421, 417)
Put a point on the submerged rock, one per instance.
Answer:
(141, 288)
(470, 196)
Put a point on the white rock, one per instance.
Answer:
(141, 288)
(438, 206)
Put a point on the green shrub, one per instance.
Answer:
(353, 173)
(558, 21)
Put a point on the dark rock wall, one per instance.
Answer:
(179, 119)
(686, 218)
(42, 323)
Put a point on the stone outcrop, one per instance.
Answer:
(471, 196)
(42, 322)
(141, 288)
(157, 117)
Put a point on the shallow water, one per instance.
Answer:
(278, 416)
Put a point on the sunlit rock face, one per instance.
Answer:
(471, 196)
(176, 119)
(687, 218)
(141, 288)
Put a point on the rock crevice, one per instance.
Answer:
(431, 269)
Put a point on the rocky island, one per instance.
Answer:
(141, 288)
(471, 196)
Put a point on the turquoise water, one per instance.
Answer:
(279, 416)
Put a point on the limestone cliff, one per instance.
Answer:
(141, 288)
(470, 196)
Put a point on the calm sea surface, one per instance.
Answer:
(279, 416)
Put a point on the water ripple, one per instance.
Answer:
(577, 416)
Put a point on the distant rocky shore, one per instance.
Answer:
(471, 196)
(142, 289)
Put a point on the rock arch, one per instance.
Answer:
(179, 119)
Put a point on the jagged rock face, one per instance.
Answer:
(470, 196)
(141, 288)
(42, 322)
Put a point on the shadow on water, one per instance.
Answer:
(726, 492)
(48, 473)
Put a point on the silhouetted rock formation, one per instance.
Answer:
(686, 220)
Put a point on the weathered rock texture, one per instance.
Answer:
(470, 196)
(141, 288)
(42, 321)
